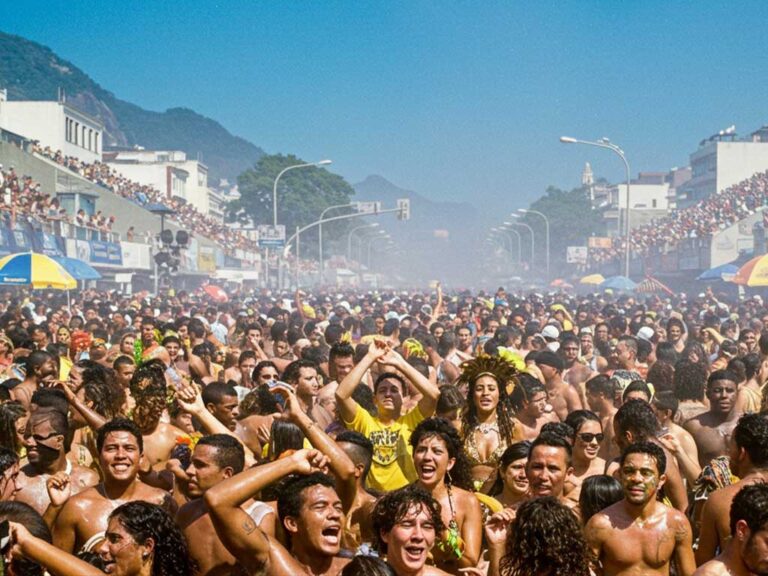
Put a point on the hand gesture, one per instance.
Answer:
(59, 489)
(67, 388)
(670, 442)
(309, 461)
(376, 350)
(391, 358)
(18, 536)
(189, 400)
(497, 527)
(174, 467)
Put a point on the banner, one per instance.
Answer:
(206, 259)
(599, 242)
(576, 254)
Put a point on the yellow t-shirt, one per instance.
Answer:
(392, 466)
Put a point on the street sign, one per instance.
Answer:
(368, 207)
(576, 254)
(404, 206)
(271, 236)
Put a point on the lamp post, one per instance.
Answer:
(377, 234)
(351, 233)
(320, 227)
(277, 179)
(382, 235)
(519, 241)
(533, 238)
(546, 225)
(608, 145)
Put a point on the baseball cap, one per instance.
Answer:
(646, 333)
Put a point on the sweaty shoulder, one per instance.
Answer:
(712, 568)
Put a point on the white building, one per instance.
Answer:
(722, 161)
(54, 124)
(170, 172)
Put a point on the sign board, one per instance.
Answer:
(599, 242)
(271, 236)
(576, 254)
(368, 207)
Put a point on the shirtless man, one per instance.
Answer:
(151, 348)
(310, 511)
(82, 520)
(749, 461)
(712, 429)
(42, 367)
(341, 360)
(44, 440)
(658, 533)
(358, 530)
(745, 554)
(563, 397)
(599, 396)
(407, 523)
(221, 400)
(302, 376)
(216, 458)
(677, 440)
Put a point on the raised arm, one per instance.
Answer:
(237, 531)
(346, 405)
(429, 392)
(47, 555)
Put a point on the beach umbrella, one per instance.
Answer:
(595, 279)
(753, 273)
(78, 269)
(722, 272)
(620, 283)
(652, 286)
(35, 270)
(216, 292)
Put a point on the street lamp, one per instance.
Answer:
(607, 144)
(320, 226)
(546, 224)
(382, 235)
(519, 241)
(277, 179)
(375, 235)
(533, 238)
(351, 233)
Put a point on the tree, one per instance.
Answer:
(302, 195)
(571, 219)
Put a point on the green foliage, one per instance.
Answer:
(571, 220)
(302, 195)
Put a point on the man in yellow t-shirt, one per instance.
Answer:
(390, 431)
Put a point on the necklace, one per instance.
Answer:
(487, 428)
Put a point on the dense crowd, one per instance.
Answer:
(402, 433)
(24, 200)
(185, 214)
(705, 218)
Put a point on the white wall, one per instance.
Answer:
(642, 196)
(737, 161)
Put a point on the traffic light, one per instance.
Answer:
(404, 208)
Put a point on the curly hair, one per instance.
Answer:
(10, 412)
(396, 505)
(107, 396)
(545, 539)
(142, 521)
(751, 433)
(460, 475)
(149, 389)
(751, 505)
(636, 416)
(504, 373)
(690, 380)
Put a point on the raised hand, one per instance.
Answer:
(309, 461)
(497, 527)
(59, 488)
(670, 442)
(189, 400)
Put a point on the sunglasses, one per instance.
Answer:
(587, 437)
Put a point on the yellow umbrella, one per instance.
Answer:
(592, 279)
(753, 273)
(35, 270)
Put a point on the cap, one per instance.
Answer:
(550, 332)
(645, 333)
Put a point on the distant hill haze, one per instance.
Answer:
(31, 71)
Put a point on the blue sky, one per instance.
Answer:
(457, 100)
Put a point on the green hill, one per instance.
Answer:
(30, 71)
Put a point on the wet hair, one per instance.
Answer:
(527, 387)
(751, 363)
(7, 458)
(450, 399)
(10, 412)
(737, 367)
(285, 436)
(597, 493)
(560, 429)
(600, 384)
(577, 418)
(645, 447)
(368, 566)
(293, 370)
(637, 386)
(460, 473)
(554, 441)
(142, 521)
(229, 451)
(636, 416)
(666, 400)
(102, 390)
(751, 434)
(50, 398)
(119, 425)
(394, 506)
(690, 380)
(216, 391)
(361, 452)
(545, 538)
(28, 517)
(291, 495)
(751, 505)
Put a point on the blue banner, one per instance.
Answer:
(48, 244)
(106, 253)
